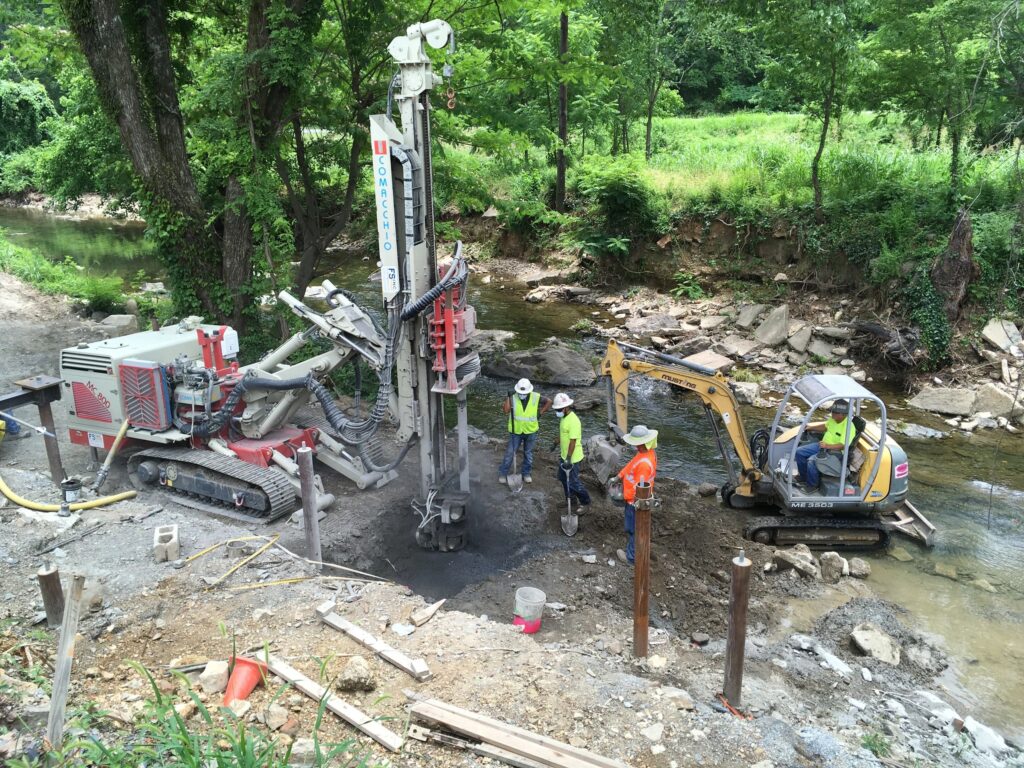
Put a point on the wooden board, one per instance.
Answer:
(422, 615)
(341, 708)
(416, 667)
(420, 733)
(65, 658)
(542, 749)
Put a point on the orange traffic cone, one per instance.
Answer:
(246, 675)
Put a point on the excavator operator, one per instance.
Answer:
(836, 438)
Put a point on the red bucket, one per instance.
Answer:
(529, 625)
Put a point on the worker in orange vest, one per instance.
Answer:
(641, 468)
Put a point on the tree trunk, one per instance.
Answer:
(826, 117)
(955, 140)
(938, 131)
(563, 113)
(955, 270)
(652, 98)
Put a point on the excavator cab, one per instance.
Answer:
(870, 475)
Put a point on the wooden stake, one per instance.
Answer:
(62, 670)
(310, 513)
(417, 668)
(642, 570)
(735, 643)
(53, 594)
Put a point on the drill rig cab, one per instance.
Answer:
(862, 496)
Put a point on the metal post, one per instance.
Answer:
(463, 438)
(642, 569)
(310, 513)
(53, 594)
(735, 643)
(52, 449)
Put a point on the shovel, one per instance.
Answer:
(570, 521)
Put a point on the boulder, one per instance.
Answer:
(737, 346)
(690, 346)
(859, 569)
(748, 314)
(357, 676)
(993, 400)
(833, 567)
(678, 696)
(551, 363)
(491, 342)
(799, 340)
(711, 322)
(774, 329)
(652, 324)
(120, 325)
(873, 642)
(947, 400)
(820, 349)
(746, 392)
(799, 558)
(1001, 334)
(603, 458)
(707, 489)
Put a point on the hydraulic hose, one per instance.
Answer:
(101, 476)
(370, 465)
(456, 273)
(78, 505)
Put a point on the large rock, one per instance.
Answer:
(947, 400)
(1001, 334)
(119, 325)
(833, 567)
(737, 346)
(990, 398)
(747, 315)
(690, 346)
(799, 340)
(491, 342)
(799, 558)
(774, 329)
(711, 322)
(357, 676)
(873, 642)
(551, 363)
(820, 349)
(859, 569)
(746, 392)
(603, 458)
(652, 324)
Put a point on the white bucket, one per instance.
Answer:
(530, 603)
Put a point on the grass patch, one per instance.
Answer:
(104, 294)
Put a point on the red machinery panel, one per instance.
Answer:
(89, 404)
(144, 395)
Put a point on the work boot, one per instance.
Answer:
(527, 479)
(503, 480)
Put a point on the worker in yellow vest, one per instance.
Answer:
(524, 410)
(570, 441)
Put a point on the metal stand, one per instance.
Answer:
(41, 391)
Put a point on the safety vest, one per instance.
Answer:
(640, 468)
(836, 432)
(522, 419)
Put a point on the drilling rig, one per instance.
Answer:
(223, 437)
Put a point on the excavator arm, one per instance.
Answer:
(621, 361)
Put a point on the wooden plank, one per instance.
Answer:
(426, 613)
(65, 658)
(360, 720)
(53, 594)
(416, 667)
(420, 733)
(542, 749)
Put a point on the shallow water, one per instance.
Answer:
(980, 525)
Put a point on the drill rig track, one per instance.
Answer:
(215, 484)
(834, 533)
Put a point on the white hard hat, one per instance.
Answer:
(524, 387)
(561, 401)
(640, 435)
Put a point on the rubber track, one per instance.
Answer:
(274, 485)
(796, 523)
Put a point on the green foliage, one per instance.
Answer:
(927, 313)
(1001, 284)
(876, 744)
(104, 294)
(686, 285)
(25, 107)
(584, 327)
(746, 374)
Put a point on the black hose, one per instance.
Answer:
(369, 463)
(456, 274)
(759, 447)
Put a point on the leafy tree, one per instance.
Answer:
(25, 107)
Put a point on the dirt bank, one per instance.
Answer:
(576, 680)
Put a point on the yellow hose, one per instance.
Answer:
(78, 505)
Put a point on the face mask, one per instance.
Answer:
(559, 414)
(524, 397)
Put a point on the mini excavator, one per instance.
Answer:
(856, 508)
(224, 438)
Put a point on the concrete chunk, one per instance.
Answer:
(875, 643)
(1001, 334)
(993, 400)
(166, 544)
(214, 678)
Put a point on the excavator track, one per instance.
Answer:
(215, 484)
(819, 532)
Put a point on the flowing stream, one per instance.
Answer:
(971, 486)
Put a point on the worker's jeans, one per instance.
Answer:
(630, 528)
(12, 426)
(807, 469)
(514, 441)
(571, 484)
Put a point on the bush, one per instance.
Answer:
(999, 285)
(928, 314)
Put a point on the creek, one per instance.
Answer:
(971, 486)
